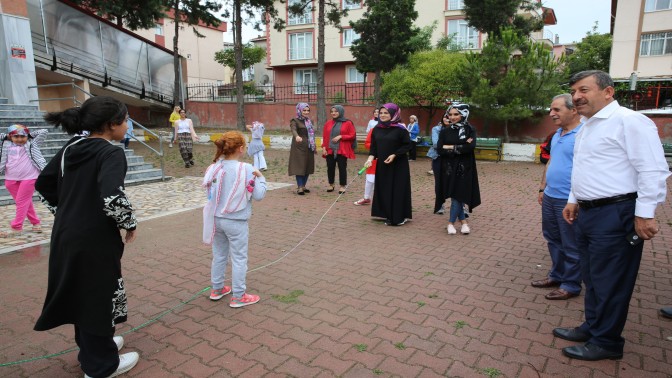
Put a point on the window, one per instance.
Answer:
(463, 35)
(301, 46)
(353, 76)
(349, 36)
(300, 19)
(656, 44)
(352, 4)
(305, 81)
(656, 5)
(158, 29)
(455, 4)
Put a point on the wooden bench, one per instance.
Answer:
(488, 149)
(667, 147)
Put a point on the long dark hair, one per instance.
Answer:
(95, 115)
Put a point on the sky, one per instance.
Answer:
(575, 19)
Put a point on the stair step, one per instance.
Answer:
(4, 100)
(30, 108)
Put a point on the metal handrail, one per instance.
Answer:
(77, 103)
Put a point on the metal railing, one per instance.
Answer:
(78, 103)
(342, 93)
(646, 98)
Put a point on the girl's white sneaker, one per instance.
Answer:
(465, 228)
(451, 229)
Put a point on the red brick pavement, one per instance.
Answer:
(405, 301)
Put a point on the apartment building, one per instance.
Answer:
(292, 53)
(642, 40)
(198, 52)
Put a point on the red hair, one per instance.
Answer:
(228, 143)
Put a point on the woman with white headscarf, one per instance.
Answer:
(458, 179)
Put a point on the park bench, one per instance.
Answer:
(667, 147)
(488, 149)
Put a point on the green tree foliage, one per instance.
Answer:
(190, 12)
(490, 16)
(422, 40)
(426, 81)
(504, 84)
(386, 32)
(134, 14)
(251, 56)
(592, 53)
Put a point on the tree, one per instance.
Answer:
(385, 37)
(490, 16)
(426, 81)
(191, 12)
(328, 12)
(422, 40)
(506, 85)
(592, 53)
(251, 56)
(135, 14)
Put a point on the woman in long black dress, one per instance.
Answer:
(83, 187)
(390, 144)
(458, 178)
(302, 151)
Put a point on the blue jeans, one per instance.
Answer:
(559, 235)
(301, 181)
(456, 211)
(230, 240)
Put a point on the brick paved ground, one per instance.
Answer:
(372, 300)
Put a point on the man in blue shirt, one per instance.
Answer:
(565, 272)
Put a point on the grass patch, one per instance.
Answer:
(292, 297)
(377, 371)
(429, 274)
(400, 346)
(361, 347)
(491, 372)
(460, 324)
(421, 303)
(433, 295)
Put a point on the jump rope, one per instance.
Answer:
(198, 294)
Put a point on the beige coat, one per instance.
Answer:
(301, 158)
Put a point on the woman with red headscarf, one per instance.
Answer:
(390, 144)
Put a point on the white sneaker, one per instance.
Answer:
(126, 362)
(170, 145)
(451, 229)
(119, 341)
(465, 228)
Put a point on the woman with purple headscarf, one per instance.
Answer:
(302, 151)
(390, 144)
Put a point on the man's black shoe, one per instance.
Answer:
(571, 334)
(666, 312)
(590, 352)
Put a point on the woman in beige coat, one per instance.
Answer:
(302, 152)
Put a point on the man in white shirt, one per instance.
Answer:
(618, 180)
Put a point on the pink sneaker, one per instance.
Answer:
(363, 201)
(217, 294)
(245, 300)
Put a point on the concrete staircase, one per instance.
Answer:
(139, 172)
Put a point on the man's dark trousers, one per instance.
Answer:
(609, 266)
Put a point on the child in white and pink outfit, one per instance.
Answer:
(21, 161)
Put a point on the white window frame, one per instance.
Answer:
(657, 5)
(305, 18)
(351, 4)
(300, 45)
(350, 71)
(349, 36)
(301, 86)
(468, 41)
(455, 4)
(650, 41)
(158, 29)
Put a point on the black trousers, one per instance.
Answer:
(342, 162)
(609, 266)
(412, 154)
(98, 355)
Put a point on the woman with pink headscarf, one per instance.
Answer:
(302, 151)
(390, 143)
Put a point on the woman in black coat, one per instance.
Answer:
(458, 178)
